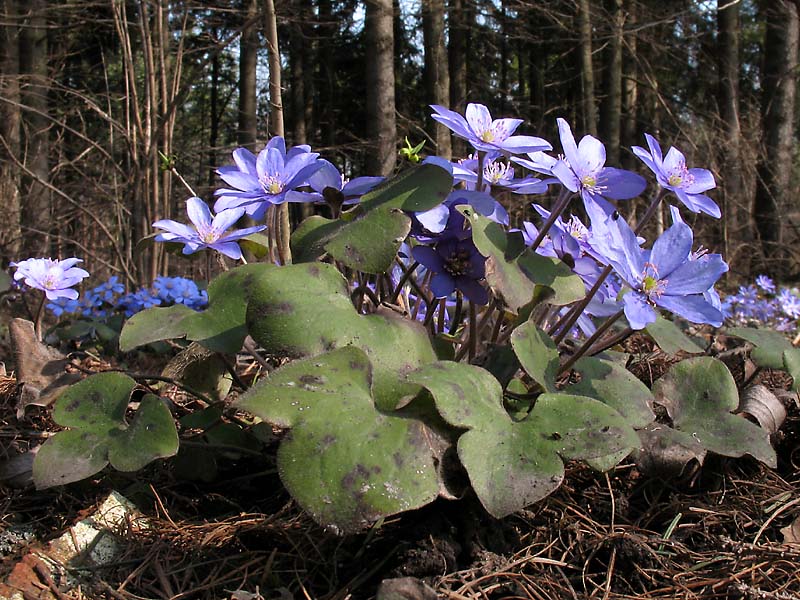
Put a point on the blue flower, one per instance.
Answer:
(672, 174)
(55, 278)
(669, 275)
(582, 169)
(455, 264)
(789, 303)
(209, 231)
(766, 284)
(263, 180)
(496, 174)
(329, 185)
(445, 220)
(487, 135)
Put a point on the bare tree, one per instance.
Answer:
(437, 77)
(587, 69)
(248, 63)
(10, 235)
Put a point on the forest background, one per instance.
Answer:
(104, 103)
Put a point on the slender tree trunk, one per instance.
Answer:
(457, 63)
(213, 136)
(247, 132)
(326, 52)
(36, 221)
(630, 90)
(297, 74)
(504, 34)
(10, 235)
(732, 184)
(611, 107)
(779, 82)
(437, 77)
(538, 65)
(587, 70)
(381, 124)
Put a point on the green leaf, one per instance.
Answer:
(305, 310)
(513, 276)
(417, 189)
(309, 239)
(537, 353)
(513, 464)
(219, 328)
(95, 410)
(202, 370)
(344, 462)
(769, 345)
(256, 244)
(614, 385)
(699, 395)
(791, 363)
(370, 244)
(670, 338)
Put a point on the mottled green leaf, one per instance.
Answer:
(769, 345)
(309, 239)
(370, 244)
(345, 462)
(699, 395)
(513, 464)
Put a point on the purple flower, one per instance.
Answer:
(672, 174)
(445, 221)
(262, 180)
(330, 185)
(790, 303)
(582, 169)
(487, 135)
(455, 264)
(54, 277)
(208, 232)
(669, 275)
(766, 284)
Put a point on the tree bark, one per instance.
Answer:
(381, 123)
(297, 72)
(437, 77)
(587, 70)
(611, 106)
(457, 63)
(326, 110)
(630, 91)
(779, 81)
(10, 235)
(247, 132)
(732, 181)
(36, 221)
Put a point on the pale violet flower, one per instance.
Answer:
(55, 278)
(209, 231)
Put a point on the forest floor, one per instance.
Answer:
(714, 533)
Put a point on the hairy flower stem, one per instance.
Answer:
(457, 314)
(588, 343)
(479, 184)
(37, 323)
(565, 325)
(610, 341)
(561, 204)
(473, 331)
(403, 280)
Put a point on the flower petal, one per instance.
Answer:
(428, 257)
(621, 184)
(478, 118)
(694, 308)
(198, 211)
(638, 312)
(696, 276)
(567, 143)
(672, 249)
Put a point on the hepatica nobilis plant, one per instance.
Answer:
(417, 335)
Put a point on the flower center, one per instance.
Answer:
(680, 176)
(458, 263)
(272, 185)
(487, 135)
(209, 235)
(496, 172)
(652, 286)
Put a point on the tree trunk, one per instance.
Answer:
(247, 132)
(587, 70)
(297, 75)
(732, 181)
(611, 107)
(36, 221)
(630, 92)
(779, 80)
(457, 63)
(381, 124)
(213, 136)
(326, 52)
(437, 78)
(10, 235)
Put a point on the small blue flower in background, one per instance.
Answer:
(789, 303)
(672, 174)
(55, 278)
(261, 181)
(497, 174)
(209, 231)
(487, 135)
(766, 284)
